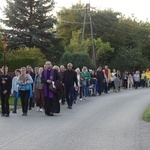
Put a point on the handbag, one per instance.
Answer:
(51, 88)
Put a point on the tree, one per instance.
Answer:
(103, 51)
(75, 44)
(78, 59)
(129, 58)
(30, 23)
(69, 20)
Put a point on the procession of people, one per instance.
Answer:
(49, 87)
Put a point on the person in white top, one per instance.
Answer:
(14, 89)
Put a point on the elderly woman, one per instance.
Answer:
(25, 89)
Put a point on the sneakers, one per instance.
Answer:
(85, 98)
(38, 109)
(41, 110)
(70, 107)
(24, 114)
(80, 99)
(6, 115)
(14, 111)
(75, 102)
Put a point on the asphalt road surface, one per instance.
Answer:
(108, 122)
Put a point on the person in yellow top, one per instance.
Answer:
(148, 77)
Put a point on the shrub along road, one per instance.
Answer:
(107, 122)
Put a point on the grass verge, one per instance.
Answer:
(11, 103)
(146, 115)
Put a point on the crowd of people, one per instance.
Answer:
(49, 86)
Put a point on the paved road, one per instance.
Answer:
(107, 122)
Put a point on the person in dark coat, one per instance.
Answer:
(49, 78)
(100, 79)
(69, 80)
(5, 85)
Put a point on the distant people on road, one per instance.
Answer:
(130, 81)
(38, 88)
(136, 78)
(125, 78)
(86, 81)
(100, 79)
(62, 70)
(143, 79)
(148, 77)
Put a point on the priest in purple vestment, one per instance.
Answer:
(50, 76)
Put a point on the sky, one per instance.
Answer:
(140, 8)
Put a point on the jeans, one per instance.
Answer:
(24, 96)
(69, 94)
(16, 96)
(75, 94)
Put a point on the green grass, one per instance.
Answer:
(11, 102)
(146, 115)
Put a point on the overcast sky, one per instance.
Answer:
(140, 8)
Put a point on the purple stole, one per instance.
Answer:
(47, 92)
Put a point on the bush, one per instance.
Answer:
(78, 59)
(23, 57)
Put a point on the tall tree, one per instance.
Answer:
(69, 19)
(30, 23)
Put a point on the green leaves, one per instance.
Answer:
(31, 24)
(78, 59)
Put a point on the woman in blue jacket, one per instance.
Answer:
(25, 89)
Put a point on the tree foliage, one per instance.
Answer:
(78, 59)
(114, 36)
(69, 20)
(30, 23)
(26, 54)
(129, 58)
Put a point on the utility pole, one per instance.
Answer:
(83, 30)
(87, 11)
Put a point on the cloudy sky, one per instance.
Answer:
(140, 8)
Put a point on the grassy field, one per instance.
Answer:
(146, 115)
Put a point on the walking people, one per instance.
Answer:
(63, 98)
(130, 81)
(49, 78)
(117, 81)
(148, 77)
(86, 82)
(38, 88)
(125, 78)
(100, 79)
(113, 77)
(5, 85)
(77, 91)
(69, 79)
(136, 78)
(143, 79)
(107, 74)
(15, 90)
(31, 73)
(25, 89)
